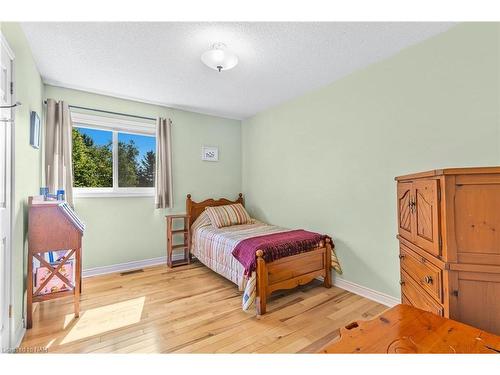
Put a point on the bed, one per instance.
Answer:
(214, 247)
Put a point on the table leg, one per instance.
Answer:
(29, 297)
(78, 281)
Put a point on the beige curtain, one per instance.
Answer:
(163, 175)
(58, 149)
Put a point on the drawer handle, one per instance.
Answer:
(401, 282)
(428, 279)
(401, 256)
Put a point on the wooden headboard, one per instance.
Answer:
(195, 209)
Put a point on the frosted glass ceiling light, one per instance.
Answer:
(219, 58)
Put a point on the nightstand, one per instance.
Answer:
(185, 245)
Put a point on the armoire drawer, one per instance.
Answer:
(414, 294)
(429, 276)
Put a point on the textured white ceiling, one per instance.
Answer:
(160, 62)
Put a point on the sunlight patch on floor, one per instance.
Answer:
(103, 319)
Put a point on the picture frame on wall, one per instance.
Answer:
(209, 153)
(34, 130)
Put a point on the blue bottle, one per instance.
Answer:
(45, 192)
(60, 195)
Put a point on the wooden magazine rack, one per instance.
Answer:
(50, 229)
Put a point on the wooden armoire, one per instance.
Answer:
(449, 243)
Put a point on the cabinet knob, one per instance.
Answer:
(401, 282)
(428, 279)
(401, 256)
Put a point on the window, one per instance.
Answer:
(112, 157)
(92, 158)
(136, 160)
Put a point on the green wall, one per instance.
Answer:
(27, 160)
(326, 161)
(127, 229)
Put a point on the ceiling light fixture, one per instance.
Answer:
(219, 57)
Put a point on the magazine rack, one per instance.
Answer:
(53, 227)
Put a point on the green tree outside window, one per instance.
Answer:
(93, 162)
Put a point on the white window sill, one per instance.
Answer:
(111, 193)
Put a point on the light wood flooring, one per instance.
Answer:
(191, 309)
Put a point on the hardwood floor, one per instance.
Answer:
(191, 309)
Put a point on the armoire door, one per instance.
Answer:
(405, 210)
(426, 216)
(477, 220)
(477, 302)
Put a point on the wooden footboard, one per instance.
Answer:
(292, 271)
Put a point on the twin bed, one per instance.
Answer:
(287, 258)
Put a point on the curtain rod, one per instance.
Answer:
(110, 112)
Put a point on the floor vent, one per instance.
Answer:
(131, 272)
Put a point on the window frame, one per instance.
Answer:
(114, 125)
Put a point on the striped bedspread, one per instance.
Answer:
(214, 246)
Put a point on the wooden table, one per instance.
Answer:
(406, 329)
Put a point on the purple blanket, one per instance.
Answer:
(275, 246)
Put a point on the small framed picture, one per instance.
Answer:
(209, 153)
(34, 130)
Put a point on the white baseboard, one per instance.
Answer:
(363, 291)
(122, 267)
(18, 335)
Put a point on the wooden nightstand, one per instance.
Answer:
(185, 246)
